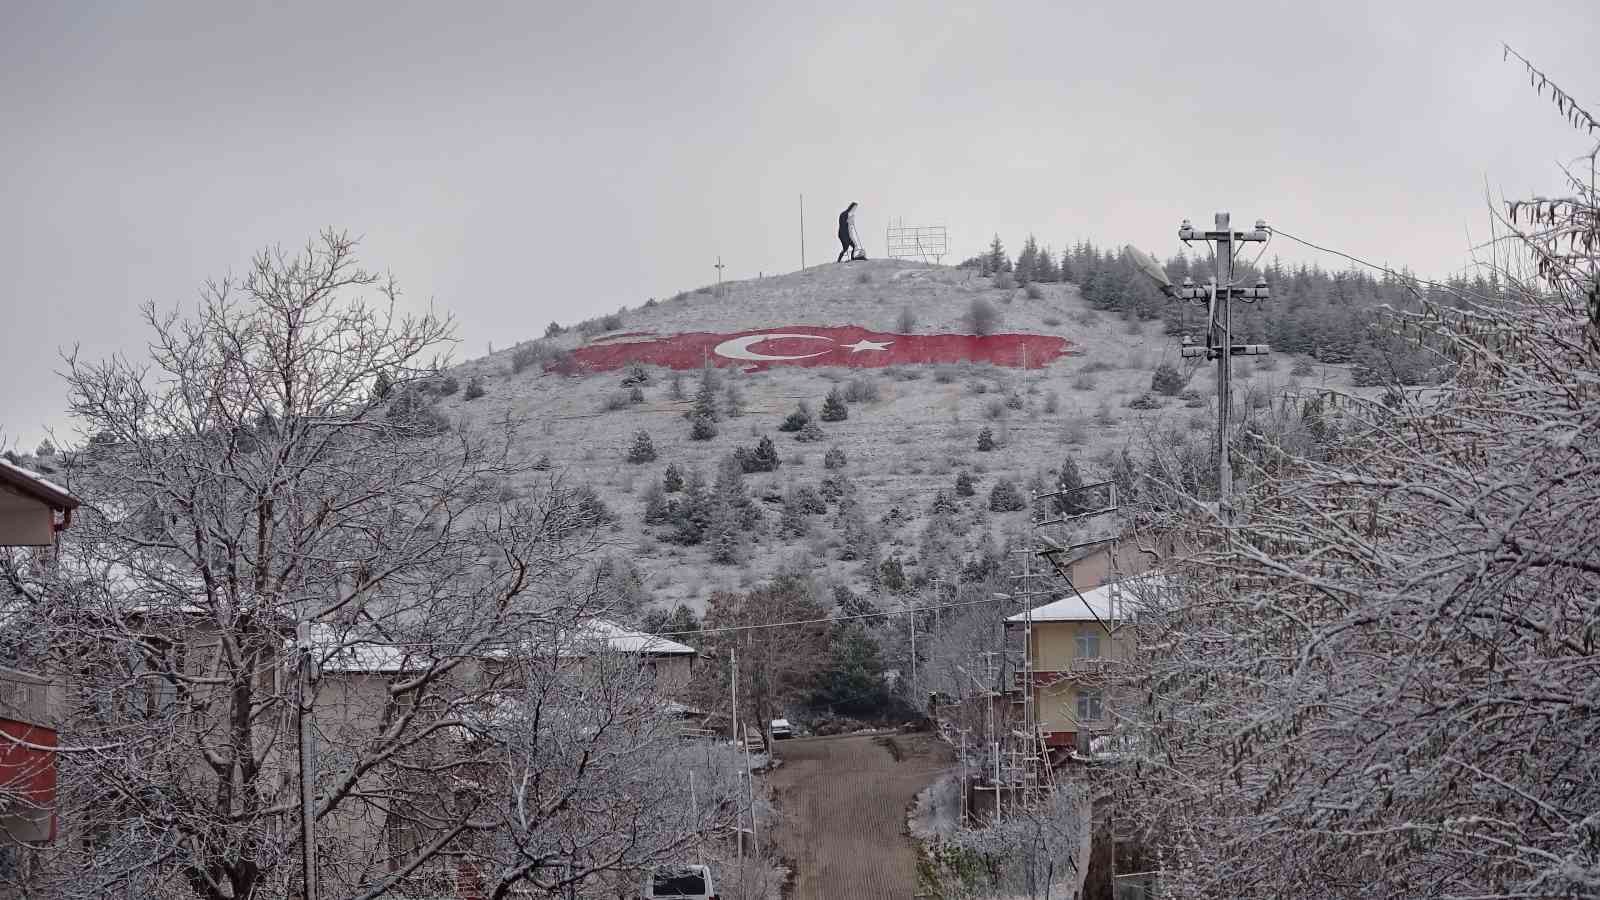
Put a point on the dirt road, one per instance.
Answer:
(844, 805)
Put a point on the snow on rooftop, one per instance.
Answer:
(1116, 600)
(39, 486)
(626, 640)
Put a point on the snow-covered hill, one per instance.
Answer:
(901, 448)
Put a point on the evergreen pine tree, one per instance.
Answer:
(811, 432)
(833, 459)
(705, 398)
(834, 408)
(1044, 266)
(657, 510)
(703, 428)
(643, 450)
(765, 458)
(986, 440)
(672, 479)
(797, 419)
(1070, 478)
(1006, 497)
(792, 520)
(996, 261)
(1028, 261)
(964, 485)
(694, 511)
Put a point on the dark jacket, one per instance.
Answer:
(844, 224)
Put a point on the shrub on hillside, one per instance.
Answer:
(672, 479)
(907, 321)
(1083, 381)
(1144, 401)
(863, 389)
(658, 510)
(964, 484)
(702, 429)
(643, 449)
(1014, 401)
(616, 400)
(982, 317)
(525, 356)
(764, 458)
(636, 375)
(1034, 292)
(797, 419)
(1003, 281)
(675, 386)
(474, 388)
(591, 508)
(1005, 496)
(1166, 380)
(1302, 368)
(636, 394)
(1052, 401)
(834, 408)
(554, 329)
(448, 385)
(985, 440)
(811, 432)
(833, 459)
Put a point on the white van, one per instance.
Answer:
(680, 883)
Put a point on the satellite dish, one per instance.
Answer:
(1151, 268)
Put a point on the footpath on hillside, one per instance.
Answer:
(844, 802)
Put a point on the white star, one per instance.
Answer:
(865, 344)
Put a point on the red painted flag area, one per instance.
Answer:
(809, 345)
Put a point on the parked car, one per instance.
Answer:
(781, 729)
(687, 882)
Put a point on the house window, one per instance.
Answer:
(1090, 706)
(1088, 645)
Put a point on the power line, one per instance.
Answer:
(721, 629)
(1449, 289)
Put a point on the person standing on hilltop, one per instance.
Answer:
(847, 234)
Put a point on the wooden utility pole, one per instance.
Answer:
(719, 267)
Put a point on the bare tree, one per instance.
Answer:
(776, 665)
(267, 536)
(1381, 681)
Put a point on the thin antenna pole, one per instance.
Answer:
(802, 231)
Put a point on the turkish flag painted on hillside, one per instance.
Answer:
(810, 345)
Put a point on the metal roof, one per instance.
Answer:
(36, 486)
(1115, 600)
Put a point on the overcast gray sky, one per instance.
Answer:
(538, 161)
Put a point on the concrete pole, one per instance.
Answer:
(1222, 325)
(733, 677)
(308, 763)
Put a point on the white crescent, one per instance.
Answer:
(739, 347)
